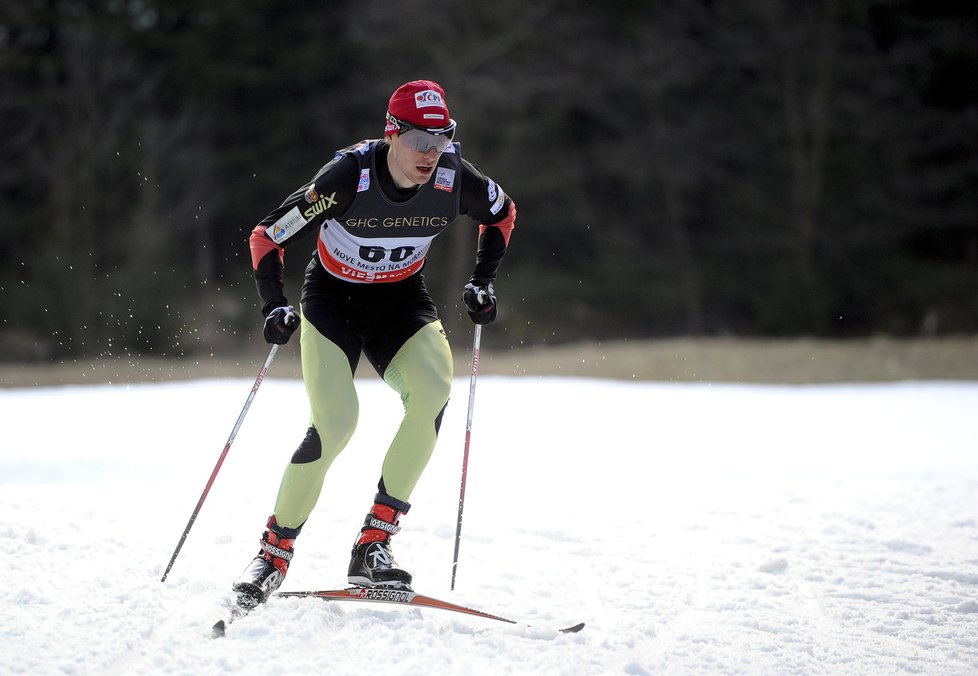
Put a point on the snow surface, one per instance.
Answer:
(694, 528)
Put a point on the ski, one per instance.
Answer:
(241, 606)
(405, 597)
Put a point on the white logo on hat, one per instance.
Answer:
(427, 99)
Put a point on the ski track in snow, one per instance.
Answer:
(694, 528)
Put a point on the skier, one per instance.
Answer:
(376, 207)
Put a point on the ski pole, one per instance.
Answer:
(477, 338)
(220, 460)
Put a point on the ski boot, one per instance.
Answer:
(371, 561)
(267, 570)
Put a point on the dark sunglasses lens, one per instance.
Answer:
(423, 141)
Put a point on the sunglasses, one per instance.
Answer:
(423, 140)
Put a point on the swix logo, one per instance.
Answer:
(261, 377)
(320, 206)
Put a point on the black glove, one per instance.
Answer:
(280, 324)
(480, 299)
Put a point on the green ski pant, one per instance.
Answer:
(421, 372)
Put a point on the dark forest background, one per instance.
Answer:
(683, 167)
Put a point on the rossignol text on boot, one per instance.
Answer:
(267, 570)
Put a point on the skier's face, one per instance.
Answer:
(408, 166)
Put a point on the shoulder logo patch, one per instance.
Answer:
(286, 226)
(496, 196)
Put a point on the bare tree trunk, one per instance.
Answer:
(806, 100)
(78, 136)
(687, 268)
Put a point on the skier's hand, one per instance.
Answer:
(480, 300)
(280, 324)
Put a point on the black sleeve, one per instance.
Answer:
(268, 279)
(328, 195)
(484, 201)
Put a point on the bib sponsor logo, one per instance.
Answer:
(311, 194)
(445, 179)
(492, 190)
(364, 183)
(367, 260)
(398, 222)
(286, 226)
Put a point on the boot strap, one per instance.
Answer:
(277, 552)
(373, 522)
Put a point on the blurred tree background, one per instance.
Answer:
(685, 167)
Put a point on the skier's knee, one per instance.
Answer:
(310, 450)
(335, 424)
(431, 389)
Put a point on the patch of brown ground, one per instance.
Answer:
(676, 360)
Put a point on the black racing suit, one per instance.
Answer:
(364, 292)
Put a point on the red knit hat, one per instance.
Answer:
(420, 103)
